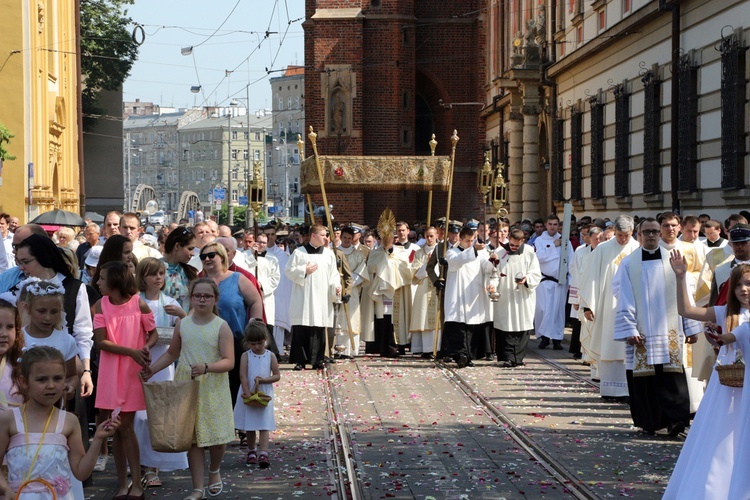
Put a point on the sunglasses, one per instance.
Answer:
(208, 255)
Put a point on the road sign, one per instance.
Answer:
(243, 200)
(220, 194)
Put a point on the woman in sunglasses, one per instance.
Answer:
(234, 308)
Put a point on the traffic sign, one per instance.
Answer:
(243, 200)
(220, 194)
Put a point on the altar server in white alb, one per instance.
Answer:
(315, 286)
(549, 321)
(605, 355)
(514, 311)
(467, 303)
(647, 320)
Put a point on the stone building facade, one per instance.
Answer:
(381, 77)
(618, 106)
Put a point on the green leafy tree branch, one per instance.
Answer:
(108, 49)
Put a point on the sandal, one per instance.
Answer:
(252, 458)
(151, 480)
(215, 489)
(192, 497)
(263, 460)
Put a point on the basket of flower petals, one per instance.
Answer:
(733, 374)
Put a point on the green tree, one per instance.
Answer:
(108, 49)
(5, 137)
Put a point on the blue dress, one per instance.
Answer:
(231, 305)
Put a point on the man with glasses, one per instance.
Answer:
(654, 335)
(315, 286)
(607, 357)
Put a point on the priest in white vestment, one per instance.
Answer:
(596, 297)
(513, 313)
(388, 271)
(315, 285)
(648, 323)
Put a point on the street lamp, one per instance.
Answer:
(235, 102)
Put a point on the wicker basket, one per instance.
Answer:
(731, 375)
(258, 399)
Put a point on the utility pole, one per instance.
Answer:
(230, 207)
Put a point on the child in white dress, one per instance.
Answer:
(42, 444)
(150, 278)
(258, 371)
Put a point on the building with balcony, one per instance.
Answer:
(220, 151)
(632, 106)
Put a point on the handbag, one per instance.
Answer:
(171, 408)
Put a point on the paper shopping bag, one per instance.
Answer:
(171, 408)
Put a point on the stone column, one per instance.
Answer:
(515, 159)
(530, 193)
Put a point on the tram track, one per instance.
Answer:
(555, 468)
(344, 470)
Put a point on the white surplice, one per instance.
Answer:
(514, 310)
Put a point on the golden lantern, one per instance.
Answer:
(499, 193)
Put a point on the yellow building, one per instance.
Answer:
(39, 91)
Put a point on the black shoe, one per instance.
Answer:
(557, 345)
(462, 361)
(470, 363)
(543, 343)
(318, 366)
(506, 364)
(676, 428)
(577, 355)
(299, 367)
(426, 355)
(489, 357)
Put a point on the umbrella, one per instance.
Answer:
(95, 217)
(60, 218)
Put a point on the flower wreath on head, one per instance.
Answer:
(39, 288)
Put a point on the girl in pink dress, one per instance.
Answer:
(42, 444)
(124, 331)
(11, 347)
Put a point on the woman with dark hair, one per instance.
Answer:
(38, 256)
(178, 250)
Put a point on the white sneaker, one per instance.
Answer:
(101, 463)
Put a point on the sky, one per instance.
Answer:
(226, 36)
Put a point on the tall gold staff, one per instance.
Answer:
(433, 145)
(443, 269)
(314, 141)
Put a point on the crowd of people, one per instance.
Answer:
(637, 294)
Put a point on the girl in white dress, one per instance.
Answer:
(42, 444)
(711, 464)
(150, 278)
(258, 367)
